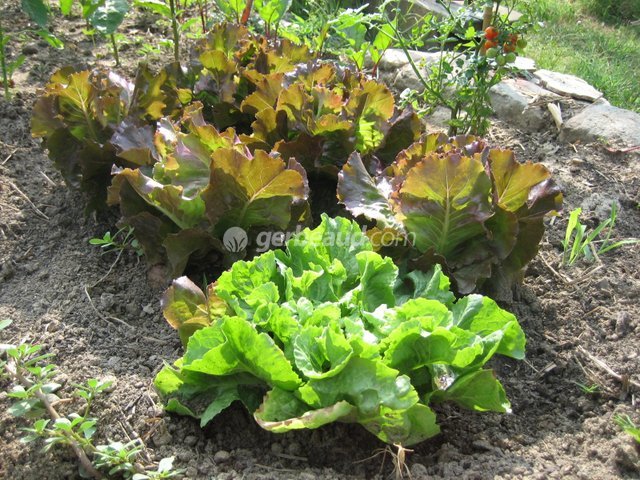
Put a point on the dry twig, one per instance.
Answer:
(9, 156)
(48, 180)
(562, 278)
(602, 366)
(28, 200)
(101, 315)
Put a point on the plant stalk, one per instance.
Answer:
(115, 48)
(3, 65)
(176, 34)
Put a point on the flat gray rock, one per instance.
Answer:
(526, 64)
(567, 85)
(395, 58)
(614, 126)
(406, 78)
(437, 121)
(513, 100)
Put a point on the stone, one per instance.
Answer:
(614, 126)
(107, 301)
(148, 309)
(437, 121)
(407, 78)
(162, 438)
(394, 58)
(221, 456)
(113, 382)
(432, 6)
(30, 49)
(525, 64)
(395, 70)
(567, 85)
(190, 440)
(623, 322)
(294, 448)
(418, 470)
(512, 100)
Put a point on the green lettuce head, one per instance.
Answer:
(328, 330)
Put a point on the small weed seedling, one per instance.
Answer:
(628, 426)
(7, 67)
(34, 394)
(588, 389)
(118, 242)
(579, 243)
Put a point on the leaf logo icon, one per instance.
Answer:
(235, 240)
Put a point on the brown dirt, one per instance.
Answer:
(556, 429)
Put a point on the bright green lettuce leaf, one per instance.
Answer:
(281, 412)
(483, 316)
(364, 383)
(321, 352)
(377, 277)
(232, 345)
(202, 396)
(479, 390)
(430, 284)
(248, 284)
(403, 427)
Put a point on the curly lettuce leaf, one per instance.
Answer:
(248, 192)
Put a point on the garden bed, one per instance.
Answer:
(571, 316)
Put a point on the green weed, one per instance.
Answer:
(580, 243)
(628, 426)
(33, 385)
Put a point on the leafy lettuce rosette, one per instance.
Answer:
(329, 330)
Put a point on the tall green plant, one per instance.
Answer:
(470, 62)
(105, 16)
(579, 242)
(168, 9)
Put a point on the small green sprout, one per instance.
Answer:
(628, 426)
(7, 68)
(579, 243)
(118, 242)
(588, 389)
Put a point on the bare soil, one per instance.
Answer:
(556, 430)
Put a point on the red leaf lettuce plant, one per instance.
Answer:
(473, 209)
(203, 183)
